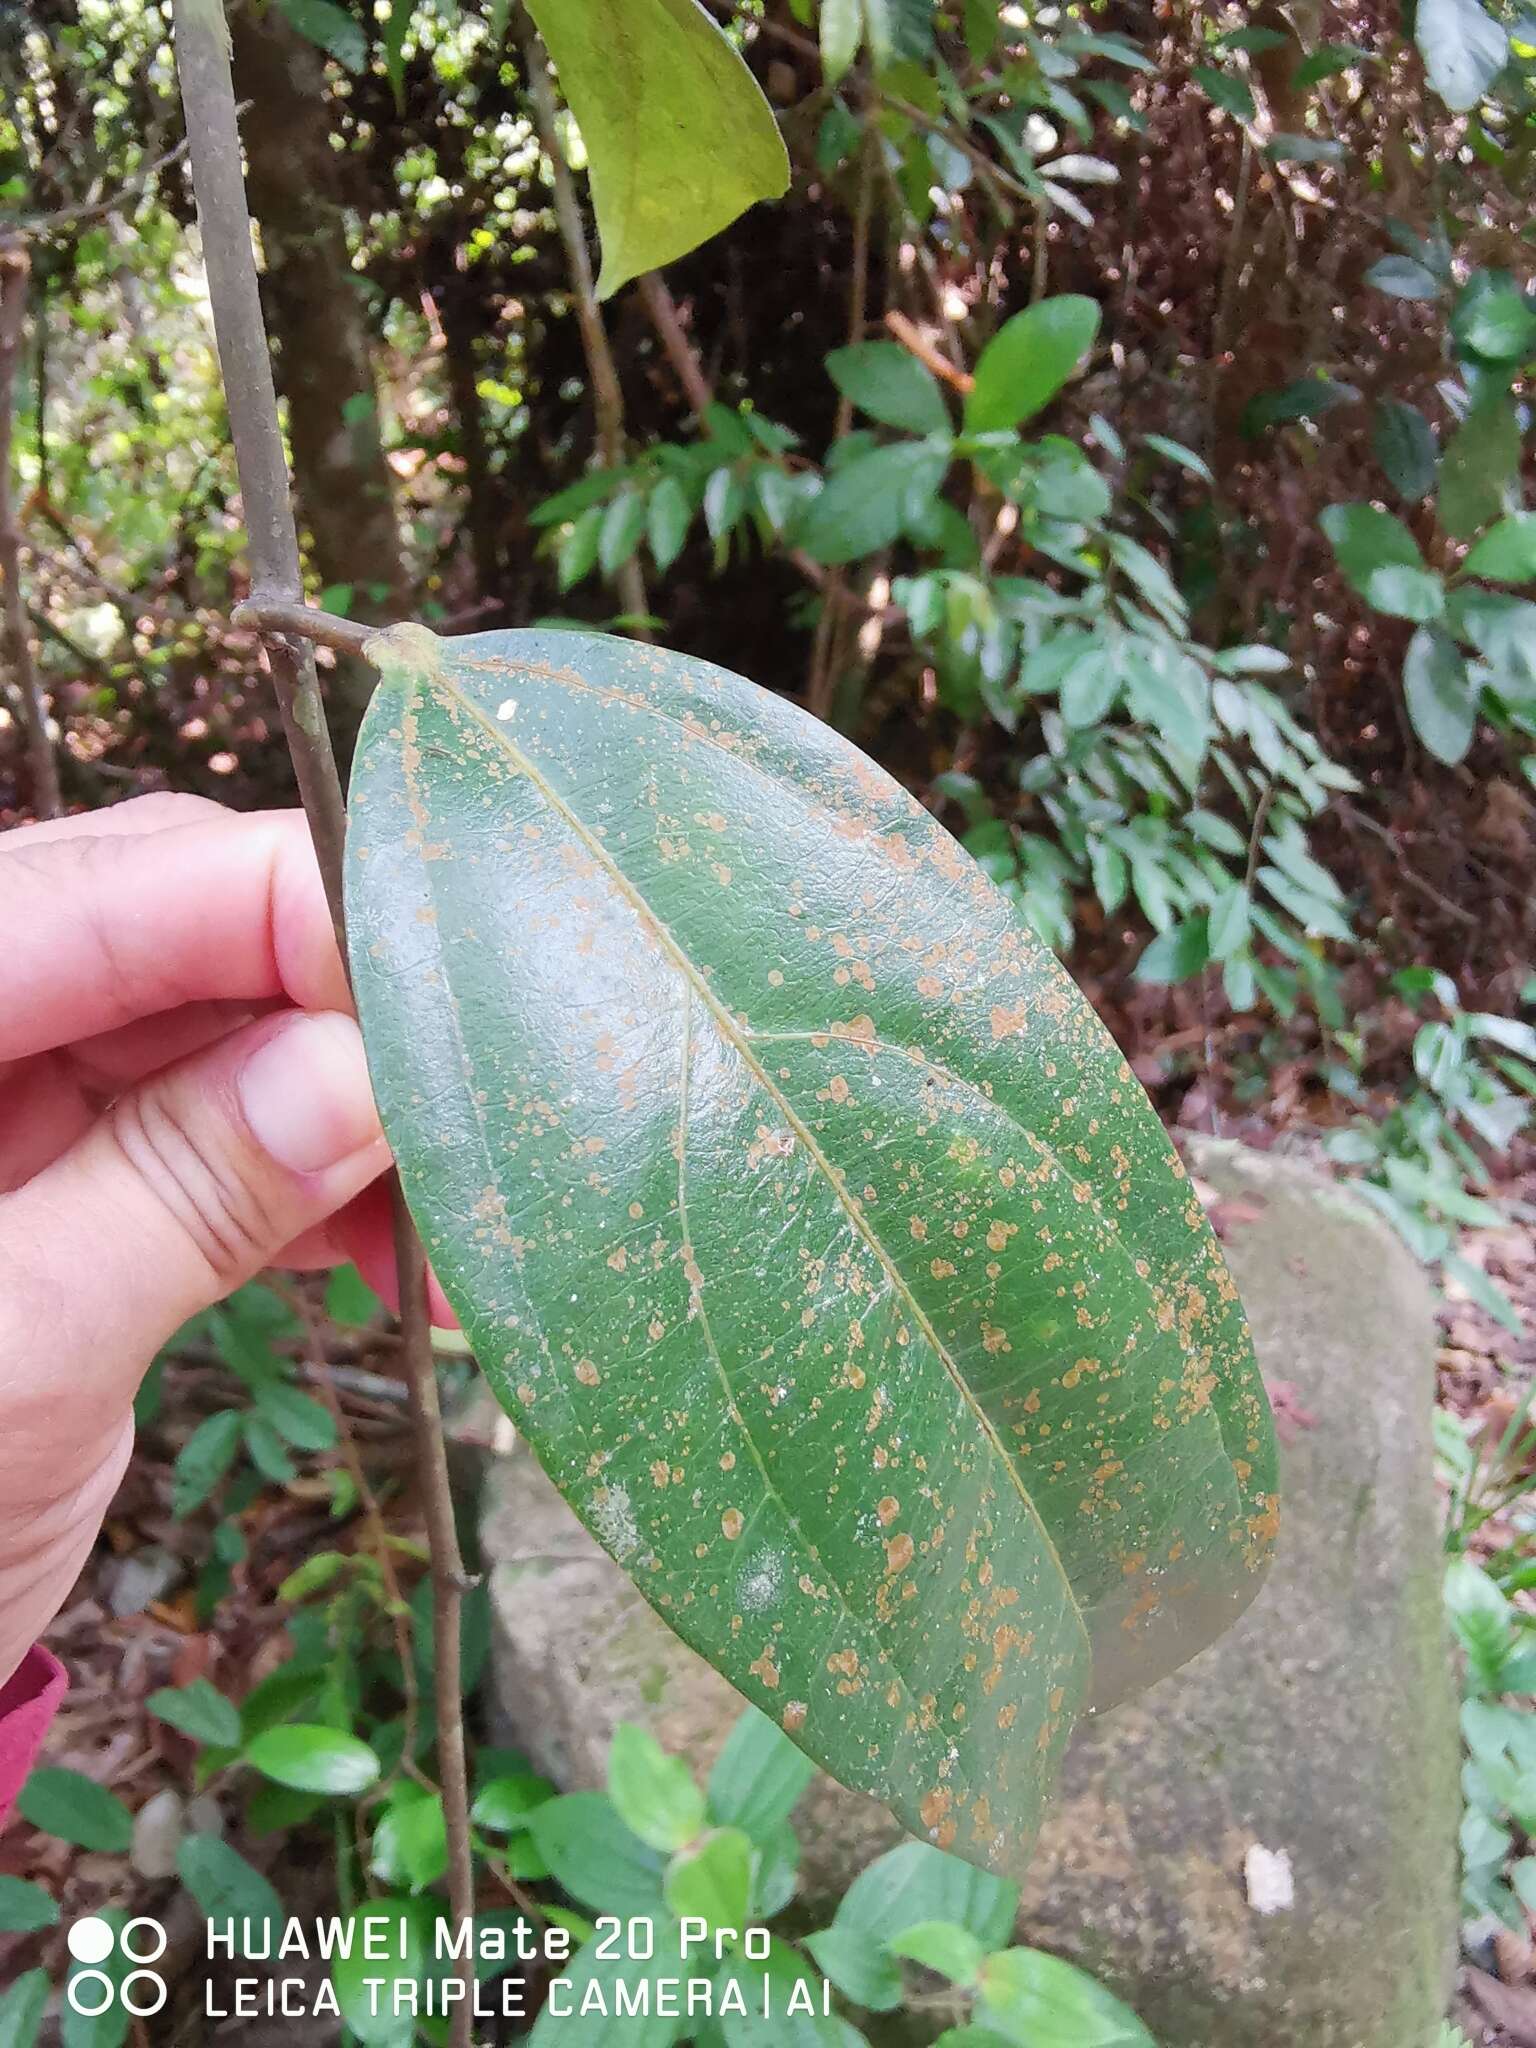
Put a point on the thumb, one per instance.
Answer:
(187, 1186)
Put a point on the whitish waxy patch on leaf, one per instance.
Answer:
(800, 1211)
(679, 139)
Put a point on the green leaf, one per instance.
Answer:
(864, 504)
(1178, 953)
(309, 1758)
(679, 139)
(598, 1860)
(914, 1883)
(76, 1809)
(1507, 551)
(858, 1967)
(1404, 445)
(1328, 60)
(505, 1806)
(410, 1843)
(1309, 398)
(1463, 50)
(1380, 559)
(712, 1880)
(199, 1710)
(939, 1945)
(1481, 460)
(22, 2008)
(1186, 458)
(758, 1777)
(349, 1299)
(623, 525)
(25, 1908)
(725, 1121)
(652, 1793)
(1027, 362)
(1089, 687)
(204, 1459)
(882, 379)
(89, 2029)
(1493, 319)
(225, 1887)
(1229, 918)
(1400, 277)
(1226, 90)
(397, 26)
(298, 1418)
(390, 1945)
(591, 2012)
(1049, 2003)
(1441, 698)
(332, 28)
(667, 518)
(842, 30)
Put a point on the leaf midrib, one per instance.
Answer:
(741, 1045)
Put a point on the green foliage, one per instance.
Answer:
(1474, 655)
(67, 1804)
(679, 139)
(764, 1091)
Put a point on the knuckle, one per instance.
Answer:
(182, 1166)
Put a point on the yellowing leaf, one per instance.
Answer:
(679, 139)
(801, 1212)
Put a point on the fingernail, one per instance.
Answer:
(306, 1096)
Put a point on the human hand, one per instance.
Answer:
(183, 1101)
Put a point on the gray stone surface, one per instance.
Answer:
(1312, 1749)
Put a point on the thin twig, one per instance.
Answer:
(47, 801)
(913, 339)
(91, 209)
(607, 393)
(661, 309)
(202, 54)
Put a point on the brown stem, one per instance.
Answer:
(661, 309)
(47, 802)
(607, 394)
(268, 615)
(202, 57)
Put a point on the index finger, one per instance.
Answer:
(99, 929)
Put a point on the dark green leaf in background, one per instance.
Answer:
(22, 2006)
(25, 1908)
(864, 504)
(76, 1809)
(794, 1201)
(1404, 445)
(1507, 552)
(200, 1711)
(679, 138)
(225, 1886)
(1442, 702)
(332, 28)
(1226, 90)
(1403, 278)
(1481, 461)
(891, 386)
(1380, 559)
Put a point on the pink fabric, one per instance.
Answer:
(27, 1704)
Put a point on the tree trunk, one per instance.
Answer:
(318, 317)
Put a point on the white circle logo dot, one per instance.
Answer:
(90, 1940)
